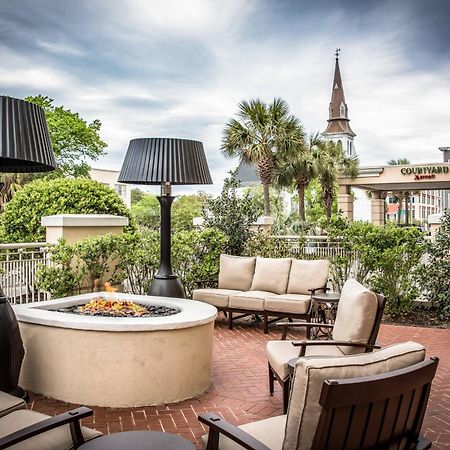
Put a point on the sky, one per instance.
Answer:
(179, 68)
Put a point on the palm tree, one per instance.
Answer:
(400, 196)
(297, 168)
(10, 183)
(331, 163)
(260, 133)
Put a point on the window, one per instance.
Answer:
(342, 110)
(120, 189)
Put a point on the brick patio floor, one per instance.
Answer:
(240, 391)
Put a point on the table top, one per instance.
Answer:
(327, 297)
(138, 440)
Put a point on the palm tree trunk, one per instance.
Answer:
(328, 203)
(301, 201)
(266, 200)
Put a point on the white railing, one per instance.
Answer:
(314, 246)
(18, 266)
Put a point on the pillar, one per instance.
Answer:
(345, 201)
(378, 207)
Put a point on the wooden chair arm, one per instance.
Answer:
(72, 418)
(304, 344)
(218, 426)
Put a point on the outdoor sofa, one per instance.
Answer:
(269, 287)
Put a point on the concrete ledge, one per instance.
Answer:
(84, 220)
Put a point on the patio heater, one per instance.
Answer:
(165, 161)
(24, 147)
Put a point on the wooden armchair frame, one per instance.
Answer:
(72, 418)
(303, 344)
(361, 413)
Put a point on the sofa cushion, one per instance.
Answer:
(9, 403)
(280, 352)
(271, 274)
(288, 303)
(355, 316)
(57, 439)
(269, 431)
(307, 274)
(251, 300)
(236, 272)
(216, 297)
(304, 408)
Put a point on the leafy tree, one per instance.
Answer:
(232, 214)
(146, 211)
(184, 209)
(74, 141)
(21, 219)
(260, 133)
(12, 182)
(136, 195)
(434, 275)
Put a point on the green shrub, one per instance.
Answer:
(21, 220)
(266, 246)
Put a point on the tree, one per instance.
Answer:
(136, 195)
(231, 214)
(146, 211)
(332, 162)
(21, 219)
(260, 133)
(12, 182)
(400, 196)
(74, 141)
(184, 209)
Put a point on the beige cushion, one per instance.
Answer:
(236, 272)
(269, 431)
(216, 297)
(288, 303)
(304, 409)
(251, 300)
(271, 274)
(57, 439)
(305, 275)
(9, 403)
(355, 316)
(280, 352)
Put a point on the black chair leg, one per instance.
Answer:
(271, 380)
(230, 321)
(286, 391)
(266, 324)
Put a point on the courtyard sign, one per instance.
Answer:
(424, 172)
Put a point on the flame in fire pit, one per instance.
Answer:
(100, 306)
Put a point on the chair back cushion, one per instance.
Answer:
(307, 274)
(271, 275)
(355, 317)
(236, 272)
(310, 372)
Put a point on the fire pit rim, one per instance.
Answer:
(192, 313)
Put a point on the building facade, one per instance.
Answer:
(109, 178)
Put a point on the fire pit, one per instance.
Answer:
(158, 350)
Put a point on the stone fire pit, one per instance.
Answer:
(117, 361)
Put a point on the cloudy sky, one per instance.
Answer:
(178, 68)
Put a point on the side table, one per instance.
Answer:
(324, 311)
(138, 440)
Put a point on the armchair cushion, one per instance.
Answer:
(269, 431)
(288, 303)
(215, 297)
(57, 439)
(9, 403)
(304, 408)
(236, 272)
(250, 300)
(355, 316)
(307, 274)
(271, 274)
(280, 352)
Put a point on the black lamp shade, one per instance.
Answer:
(165, 160)
(24, 139)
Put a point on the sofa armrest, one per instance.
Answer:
(323, 289)
(72, 418)
(218, 426)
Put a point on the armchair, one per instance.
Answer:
(355, 330)
(386, 390)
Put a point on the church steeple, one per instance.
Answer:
(338, 129)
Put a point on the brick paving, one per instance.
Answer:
(240, 392)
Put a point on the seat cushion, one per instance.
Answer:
(269, 431)
(355, 316)
(9, 403)
(307, 274)
(250, 300)
(216, 297)
(288, 303)
(236, 272)
(57, 439)
(304, 408)
(271, 274)
(279, 352)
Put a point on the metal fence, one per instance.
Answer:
(18, 266)
(313, 246)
